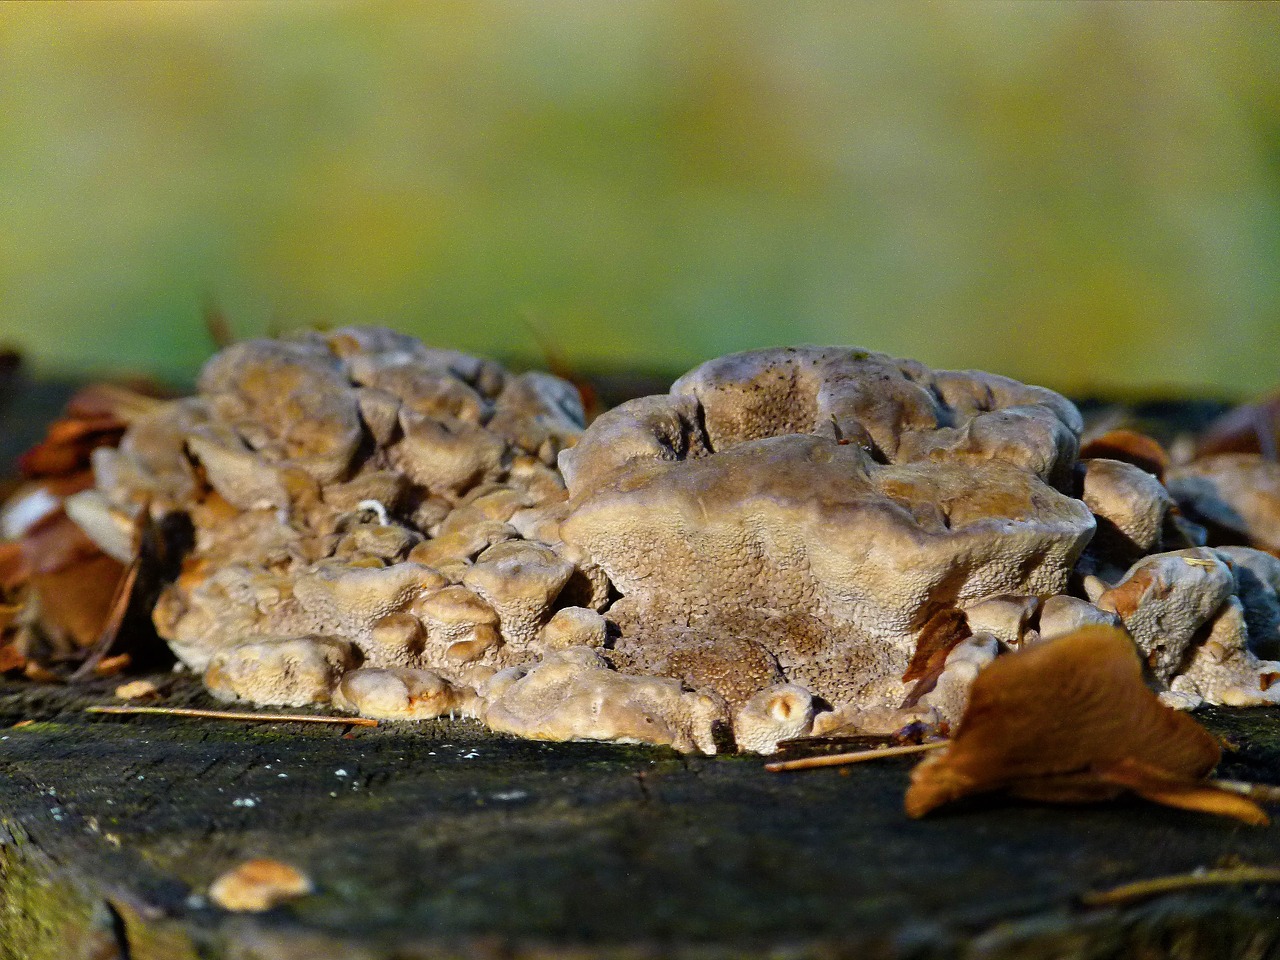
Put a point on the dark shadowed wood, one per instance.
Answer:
(440, 840)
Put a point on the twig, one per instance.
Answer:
(1155, 886)
(115, 618)
(840, 759)
(1262, 792)
(237, 715)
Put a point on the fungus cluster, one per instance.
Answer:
(790, 541)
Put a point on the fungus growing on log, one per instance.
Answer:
(790, 541)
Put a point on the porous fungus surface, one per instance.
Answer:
(789, 541)
(799, 515)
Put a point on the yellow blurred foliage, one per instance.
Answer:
(1083, 195)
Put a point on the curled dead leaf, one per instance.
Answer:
(11, 658)
(1073, 721)
(257, 885)
(1252, 428)
(1131, 447)
(938, 637)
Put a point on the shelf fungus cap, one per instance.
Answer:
(446, 455)
(351, 599)
(1223, 670)
(575, 627)
(573, 695)
(1130, 503)
(284, 672)
(904, 410)
(814, 505)
(1257, 575)
(519, 579)
(1164, 599)
(781, 712)
(400, 693)
(289, 400)
(826, 560)
(453, 611)
(1062, 614)
(1005, 618)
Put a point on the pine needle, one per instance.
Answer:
(236, 715)
(841, 759)
(1262, 792)
(1157, 886)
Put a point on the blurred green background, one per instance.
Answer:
(1082, 195)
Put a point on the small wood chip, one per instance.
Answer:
(842, 759)
(1200, 562)
(1157, 886)
(137, 689)
(1262, 792)
(257, 885)
(236, 715)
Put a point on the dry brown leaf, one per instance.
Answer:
(77, 600)
(1204, 796)
(96, 416)
(1131, 447)
(11, 658)
(9, 614)
(1253, 428)
(13, 565)
(939, 636)
(54, 544)
(1068, 721)
(257, 885)
(68, 444)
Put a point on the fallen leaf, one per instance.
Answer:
(257, 885)
(1252, 428)
(1159, 787)
(9, 614)
(1131, 447)
(11, 658)
(13, 565)
(938, 637)
(1071, 720)
(55, 543)
(77, 601)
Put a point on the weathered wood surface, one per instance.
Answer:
(440, 840)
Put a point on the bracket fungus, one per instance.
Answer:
(788, 542)
(798, 516)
